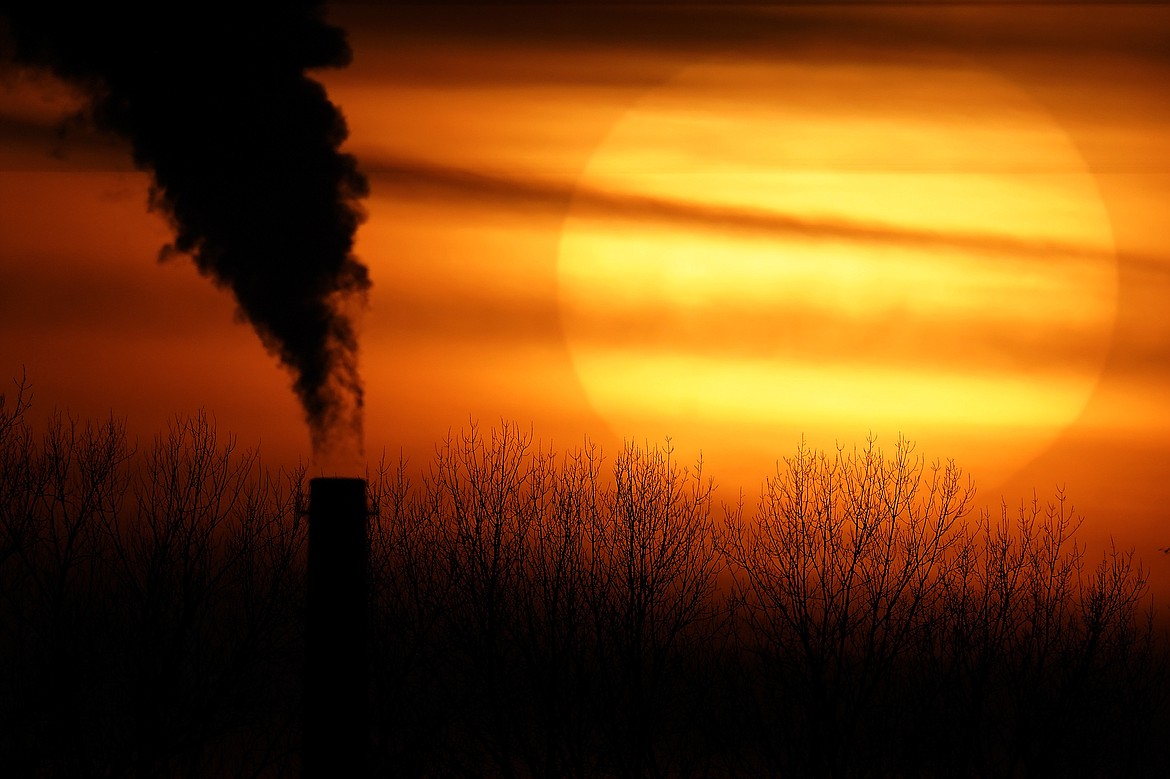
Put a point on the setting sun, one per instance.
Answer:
(932, 259)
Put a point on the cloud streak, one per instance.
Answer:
(736, 330)
(422, 180)
(902, 31)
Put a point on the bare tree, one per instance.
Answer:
(835, 579)
(564, 605)
(653, 568)
(150, 613)
(415, 686)
(886, 633)
(1031, 639)
(58, 489)
(19, 478)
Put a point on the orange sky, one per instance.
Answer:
(730, 226)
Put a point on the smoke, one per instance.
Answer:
(243, 149)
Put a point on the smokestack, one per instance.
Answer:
(336, 732)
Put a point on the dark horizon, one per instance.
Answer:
(582, 615)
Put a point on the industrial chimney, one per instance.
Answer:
(336, 735)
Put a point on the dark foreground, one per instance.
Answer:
(561, 616)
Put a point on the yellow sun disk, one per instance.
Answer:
(767, 328)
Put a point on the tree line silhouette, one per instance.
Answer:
(550, 614)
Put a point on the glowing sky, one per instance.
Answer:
(730, 225)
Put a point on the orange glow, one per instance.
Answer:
(732, 226)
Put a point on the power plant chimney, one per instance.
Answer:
(336, 737)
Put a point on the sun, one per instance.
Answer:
(835, 252)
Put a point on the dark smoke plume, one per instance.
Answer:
(243, 150)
